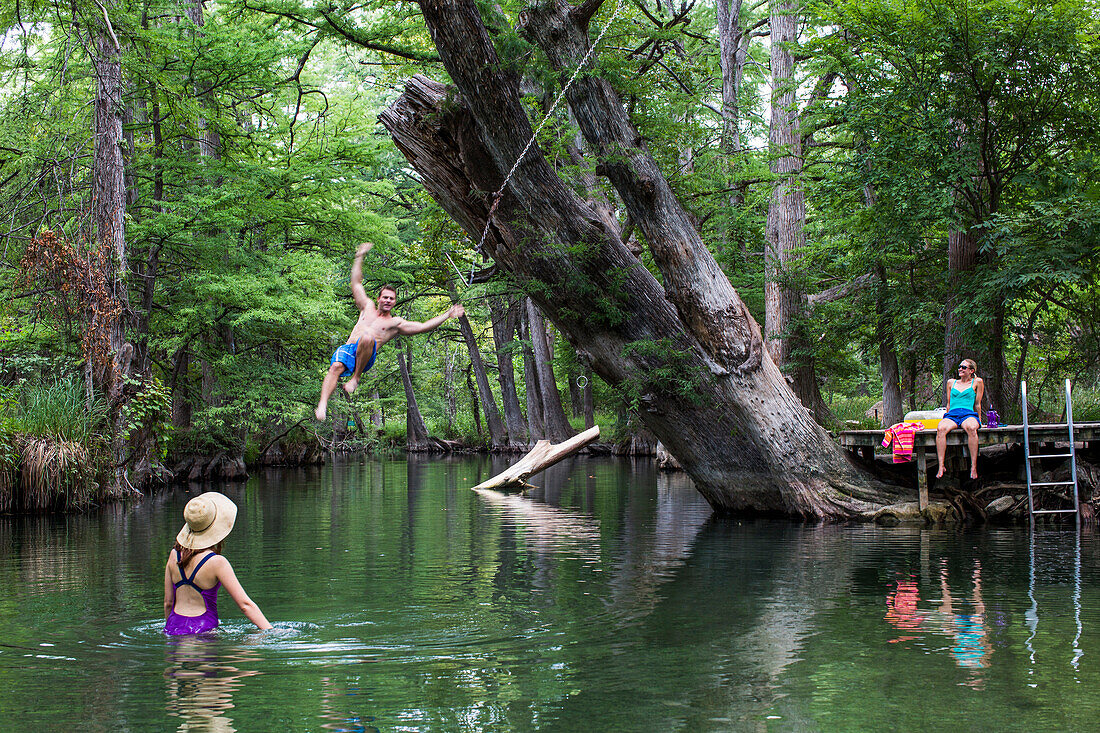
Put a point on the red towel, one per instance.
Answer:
(902, 435)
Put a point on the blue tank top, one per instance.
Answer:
(962, 399)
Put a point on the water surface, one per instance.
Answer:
(610, 599)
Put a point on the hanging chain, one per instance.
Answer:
(546, 118)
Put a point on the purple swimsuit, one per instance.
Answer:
(208, 621)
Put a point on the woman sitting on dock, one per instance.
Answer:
(964, 399)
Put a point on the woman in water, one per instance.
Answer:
(964, 399)
(196, 569)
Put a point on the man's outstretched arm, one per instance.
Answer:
(408, 328)
(362, 301)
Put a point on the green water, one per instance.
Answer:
(609, 600)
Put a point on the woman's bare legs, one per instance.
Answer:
(971, 425)
(945, 427)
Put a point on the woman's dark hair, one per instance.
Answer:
(186, 554)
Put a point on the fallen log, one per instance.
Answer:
(541, 457)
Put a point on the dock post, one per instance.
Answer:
(922, 477)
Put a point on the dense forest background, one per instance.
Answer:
(889, 186)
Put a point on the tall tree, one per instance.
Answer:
(417, 437)
(733, 54)
(556, 424)
(991, 93)
(504, 318)
(536, 417)
(785, 302)
(114, 372)
(498, 436)
(688, 350)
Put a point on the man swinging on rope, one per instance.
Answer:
(374, 328)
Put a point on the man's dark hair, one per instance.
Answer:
(387, 286)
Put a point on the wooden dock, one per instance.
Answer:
(865, 442)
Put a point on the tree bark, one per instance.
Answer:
(576, 398)
(728, 416)
(999, 393)
(589, 401)
(450, 397)
(785, 303)
(557, 427)
(887, 356)
(377, 415)
(962, 259)
(536, 421)
(497, 434)
(476, 413)
(209, 139)
(541, 457)
(733, 49)
(504, 323)
(892, 406)
(180, 391)
(109, 375)
(416, 432)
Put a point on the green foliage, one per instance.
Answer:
(56, 438)
(1086, 404)
(665, 370)
(149, 412)
(61, 410)
(851, 412)
(9, 452)
(255, 167)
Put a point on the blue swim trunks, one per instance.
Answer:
(346, 356)
(961, 413)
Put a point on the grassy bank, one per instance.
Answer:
(51, 447)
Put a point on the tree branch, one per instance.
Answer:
(382, 48)
(584, 12)
(840, 291)
(110, 28)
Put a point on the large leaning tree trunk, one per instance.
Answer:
(688, 352)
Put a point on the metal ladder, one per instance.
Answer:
(1029, 457)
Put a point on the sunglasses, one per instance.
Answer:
(963, 366)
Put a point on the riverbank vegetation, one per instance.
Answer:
(883, 187)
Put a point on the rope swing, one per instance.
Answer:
(478, 249)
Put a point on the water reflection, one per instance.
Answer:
(201, 678)
(1054, 561)
(332, 711)
(958, 616)
(652, 550)
(546, 529)
(607, 599)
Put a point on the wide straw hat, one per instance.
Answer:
(209, 518)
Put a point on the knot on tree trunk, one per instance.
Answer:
(551, 25)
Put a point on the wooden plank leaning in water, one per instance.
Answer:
(541, 457)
